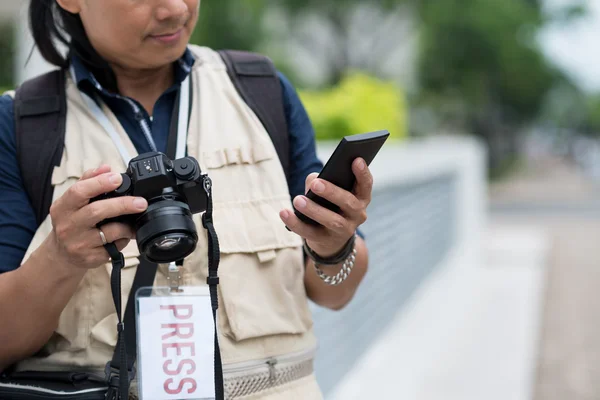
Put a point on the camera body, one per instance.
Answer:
(175, 190)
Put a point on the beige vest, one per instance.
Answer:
(263, 310)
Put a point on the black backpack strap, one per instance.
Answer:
(255, 78)
(40, 116)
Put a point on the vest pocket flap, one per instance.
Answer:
(245, 154)
(253, 227)
(66, 171)
(266, 256)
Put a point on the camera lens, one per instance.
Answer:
(167, 243)
(166, 231)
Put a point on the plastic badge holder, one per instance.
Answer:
(175, 336)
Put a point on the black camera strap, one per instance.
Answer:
(125, 353)
(214, 257)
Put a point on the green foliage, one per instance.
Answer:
(333, 7)
(230, 24)
(359, 104)
(483, 57)
(485, 50)
(592, 115)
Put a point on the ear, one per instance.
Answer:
(72, 6)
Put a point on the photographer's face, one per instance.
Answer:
(137, 34)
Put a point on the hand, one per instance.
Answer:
(75, 235)
(336, 229)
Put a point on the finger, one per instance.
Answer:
(90, 173)
(113, 232)
(102, 254)
(79, 194)
(309, 179)
(295, 225)
(122, 243)
(329, 219)
(364, 180)
(350, 205)
(98, 211)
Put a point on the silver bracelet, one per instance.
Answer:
(340, 276)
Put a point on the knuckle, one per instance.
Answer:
(62, 231)
(125, 205)
(91, 259)
(362, 217)
(354, 205)
(75, 249)
(76, 190)
(338, 224)
(95, 211)
(53, 211)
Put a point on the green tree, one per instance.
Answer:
(482, 56)
(230, 24)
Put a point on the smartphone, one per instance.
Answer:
(338, 169)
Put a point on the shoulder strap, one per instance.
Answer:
(40, 115)
(255, 78)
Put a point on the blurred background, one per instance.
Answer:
(486, 213)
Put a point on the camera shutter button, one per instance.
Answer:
(184, 168)
(125, 185)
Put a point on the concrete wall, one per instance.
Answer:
(428, 210)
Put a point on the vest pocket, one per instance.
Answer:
(261, 271)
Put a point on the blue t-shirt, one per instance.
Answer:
(17, 217)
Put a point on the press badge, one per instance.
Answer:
(175, 336)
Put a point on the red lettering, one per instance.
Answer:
(180, 311)
(186, 365)
(177, 330)
(182, 363)
(178, 346)
(170, 381)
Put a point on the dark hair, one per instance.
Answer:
(50, 23)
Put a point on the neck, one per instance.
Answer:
(145, 86)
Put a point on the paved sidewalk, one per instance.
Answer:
(524, 324)
(566, 205)
(469, 333)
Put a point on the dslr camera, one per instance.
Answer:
(175, 190)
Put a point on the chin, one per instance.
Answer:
(165, 57)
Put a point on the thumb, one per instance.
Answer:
(309, 180)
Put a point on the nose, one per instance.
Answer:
(171, 9)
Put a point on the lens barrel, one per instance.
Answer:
(166, 232)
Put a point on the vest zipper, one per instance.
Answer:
(270, 363)
(143, 123)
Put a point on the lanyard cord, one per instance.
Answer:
(182, 128)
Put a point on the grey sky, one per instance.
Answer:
(575, 46)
